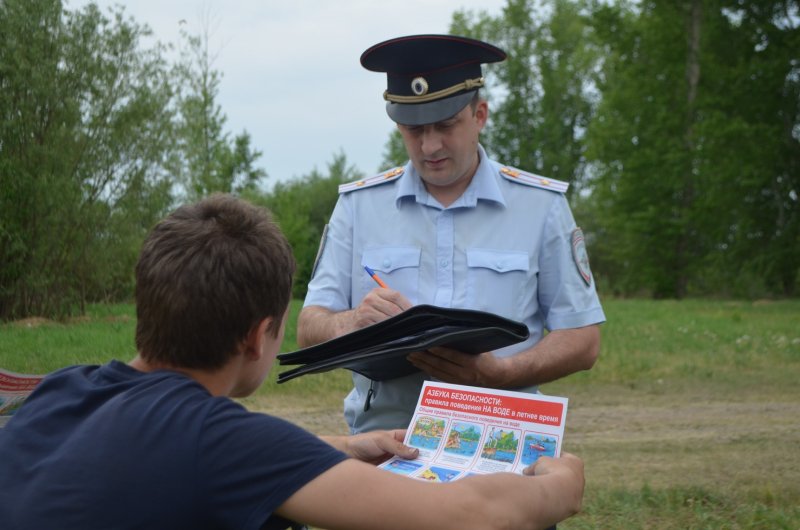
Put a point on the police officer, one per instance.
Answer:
(451, 228)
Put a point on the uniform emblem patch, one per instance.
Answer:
(580, 256)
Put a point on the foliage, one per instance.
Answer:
(394, 153)
(694, 147)
(97, 133)
(678, 123)
(82, 124)
(539, 94)
(302, 208)
(642, 120)
(205, 159)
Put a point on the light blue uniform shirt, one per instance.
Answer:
(502, 247)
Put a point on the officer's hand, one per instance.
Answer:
(452, 366)
(378, 305)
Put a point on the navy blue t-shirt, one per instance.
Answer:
(112, 447)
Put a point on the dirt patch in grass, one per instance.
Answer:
(319, 417)
(35, 322)
(744, 446)
(31, 322)
(629, 439)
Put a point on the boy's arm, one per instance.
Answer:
(356, 496)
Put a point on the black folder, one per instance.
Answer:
(379, 351)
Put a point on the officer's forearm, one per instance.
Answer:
(559, 354)
(317, 324)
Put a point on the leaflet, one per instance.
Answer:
(14, 390)
(462, 430)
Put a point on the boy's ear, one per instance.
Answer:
(254, 342)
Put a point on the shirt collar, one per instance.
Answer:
(484, 185)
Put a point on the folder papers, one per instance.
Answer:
(379, 351)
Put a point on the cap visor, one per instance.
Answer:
(425, 113)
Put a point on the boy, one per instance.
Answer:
(158, 443)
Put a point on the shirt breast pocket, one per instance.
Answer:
(497, 281)
(398, 267)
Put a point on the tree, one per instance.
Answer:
(394, 153)
(206, 160)
(302, 208)
(755, 116)
(637, 142)
(539, 95)
(694, 146)
(82, 135)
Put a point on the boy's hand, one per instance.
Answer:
(378, 446)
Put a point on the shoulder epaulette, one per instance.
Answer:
(386, 176)
(531, 179)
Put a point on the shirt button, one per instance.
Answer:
(443, 263)
(499, 266)
(386, 263)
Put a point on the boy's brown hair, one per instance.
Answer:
(207, 274)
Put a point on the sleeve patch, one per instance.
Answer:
(581, 256)
(320, 250)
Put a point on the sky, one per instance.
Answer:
(290, 69)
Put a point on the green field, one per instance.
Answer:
(690, 419)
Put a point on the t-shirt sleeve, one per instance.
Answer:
(251, 463)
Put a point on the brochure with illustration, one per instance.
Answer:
(462, 430)
(14, 390)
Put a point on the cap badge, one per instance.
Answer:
(419, 86)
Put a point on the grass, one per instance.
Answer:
(688, 420)
(36, 345)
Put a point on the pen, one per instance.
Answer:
(375, 277)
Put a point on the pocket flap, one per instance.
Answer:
(388, 259)
(498, 260)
